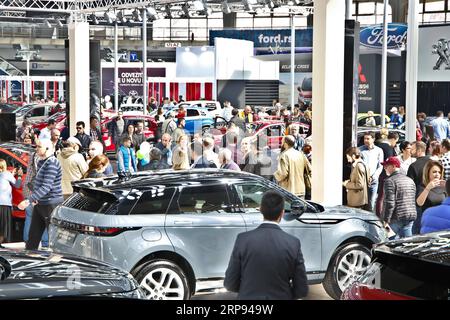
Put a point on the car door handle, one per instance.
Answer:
(180, 222)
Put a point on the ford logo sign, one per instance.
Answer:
(372, 36)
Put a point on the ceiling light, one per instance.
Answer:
(199, 5)
(151, 13)
(121, 17)
(247, 5)
(137, 15)
(168, 12)
(110, 16)
(226, 7)
(47, 23)
(93, 18)
(186, 13)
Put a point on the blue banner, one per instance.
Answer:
(267, 38)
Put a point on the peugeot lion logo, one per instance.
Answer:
(442, 50)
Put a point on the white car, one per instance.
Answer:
(214, 107)
(37, 113)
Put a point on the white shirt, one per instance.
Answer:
(271, 222)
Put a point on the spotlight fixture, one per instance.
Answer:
(93, 18)
(199, 5)
(168, 12)
(58, 22)
(110, 16)
(121, 18)
(185, 11)
(202, 8)
(47, 23)
(137, 15)
(151, 13)
(270, 4)
(226, 7)
(247, 5)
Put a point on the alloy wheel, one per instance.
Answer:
(163, 284)
(351, 267)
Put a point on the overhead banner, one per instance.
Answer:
(372, 36)
(130, 80)
(434, 54)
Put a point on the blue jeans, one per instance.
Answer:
(403, 229)
(372, 193)
(26, 227)
(418, 223)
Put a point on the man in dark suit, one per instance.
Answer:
(267, 263)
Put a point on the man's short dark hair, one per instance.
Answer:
(125, 139)
(81, 124)
(51, 121)
(272, 204)
(420, 146)
(393, 135)
(370, 133)
(93, 118)
(446, 144)
(197, 147)
(155, 154)
(289, 140)
(439, 114)
(234, 112)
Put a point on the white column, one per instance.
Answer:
(328, 101)
(144, 60)
(293, 91)
(412, 69)
(79, 74)
(384, 65)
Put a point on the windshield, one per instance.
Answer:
(21, 111)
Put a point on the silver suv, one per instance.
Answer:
(174, 229)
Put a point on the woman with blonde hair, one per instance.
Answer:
(7, 181)
(97, 167)
(432, 190)
(180, 154)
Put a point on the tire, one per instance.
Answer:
(354, 257)
(162, 271)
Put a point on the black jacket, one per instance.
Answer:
(85, 140)
(267, 263)
(415, 170)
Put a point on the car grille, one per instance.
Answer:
(432, 247)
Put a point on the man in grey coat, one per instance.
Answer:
(399, 201)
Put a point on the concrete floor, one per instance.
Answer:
(316, 292)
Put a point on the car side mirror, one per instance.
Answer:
(298, 207)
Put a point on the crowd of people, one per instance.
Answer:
(60, 159)
(405, 184)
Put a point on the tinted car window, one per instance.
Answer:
(250, 195)
(204, 199)
(192, 113)
(38, 112)
(153, 202)
(93, 201)
(211, 106)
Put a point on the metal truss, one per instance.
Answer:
(87, 6)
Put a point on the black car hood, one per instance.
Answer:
(32, 274)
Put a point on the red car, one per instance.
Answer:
(274, 130)
(60, 118)
(150, 127)
(16, 155)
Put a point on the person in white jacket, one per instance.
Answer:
(73, 164)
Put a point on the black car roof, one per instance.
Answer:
(163, 177)
(431, 247)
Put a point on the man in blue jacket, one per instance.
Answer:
(46, 194)
(437, 218)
